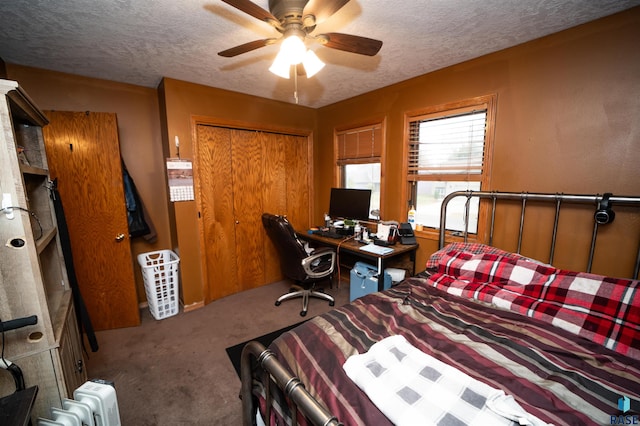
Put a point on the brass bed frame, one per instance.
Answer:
(603, 215)
(273, 372)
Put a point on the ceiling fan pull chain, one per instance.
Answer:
(295, 84)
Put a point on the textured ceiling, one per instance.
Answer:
(139, 42)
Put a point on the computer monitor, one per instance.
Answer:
(348, 203)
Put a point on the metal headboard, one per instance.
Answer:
(524, 197)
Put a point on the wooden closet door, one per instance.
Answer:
(297, 180)
(83, 153)
(214, 186)
(239, 175)
(249, 194)
(274, 163)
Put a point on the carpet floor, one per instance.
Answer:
(176, 371)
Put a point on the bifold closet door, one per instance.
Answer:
(239, 175)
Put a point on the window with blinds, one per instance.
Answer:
(363, 144)
(452, 145)
(358, 159)
(448, 149)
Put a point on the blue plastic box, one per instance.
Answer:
(364, 280)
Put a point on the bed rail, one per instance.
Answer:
(293, 388)
(599, 200)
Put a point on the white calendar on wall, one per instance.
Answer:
(180, 174)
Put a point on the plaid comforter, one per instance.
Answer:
(603, 309)
(553, 374)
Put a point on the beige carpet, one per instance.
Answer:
(176, 371)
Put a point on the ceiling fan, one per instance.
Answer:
(296, 20)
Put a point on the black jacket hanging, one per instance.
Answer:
(138, 226)
(82, 315)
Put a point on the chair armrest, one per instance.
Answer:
(322, 250)
(323, 254)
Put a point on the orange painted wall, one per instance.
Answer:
(567, 116)
(139, 131)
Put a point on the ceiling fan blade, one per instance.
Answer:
(247, 47)
(350, 43)
(254, 10)
(322, 9)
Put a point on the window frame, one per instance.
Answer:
(340, 161)
(487, 102)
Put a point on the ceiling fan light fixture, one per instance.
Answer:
(293, 49)
(296, 20)
(312, 64)
(293, 52)
(281, 66)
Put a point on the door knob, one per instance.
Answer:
(237, 222)
(119, 238)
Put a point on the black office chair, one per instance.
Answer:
(305, 269)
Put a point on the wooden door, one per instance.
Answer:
(83, 152)
(248, 196)
(239, 175)
(274, 168)
(214, 182)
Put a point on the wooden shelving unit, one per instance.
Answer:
(33, 277)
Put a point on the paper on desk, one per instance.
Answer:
(372, 248)
(382, 233)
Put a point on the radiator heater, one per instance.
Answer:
(93, 404)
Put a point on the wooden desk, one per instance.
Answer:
(352, 247)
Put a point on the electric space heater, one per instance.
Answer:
(93, 404)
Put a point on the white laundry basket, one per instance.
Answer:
(160, 274)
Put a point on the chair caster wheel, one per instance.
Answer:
(278, 303)
(303, 313)
(332, 303)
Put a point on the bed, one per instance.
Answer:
(482, 332)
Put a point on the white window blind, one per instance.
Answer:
(451, 145)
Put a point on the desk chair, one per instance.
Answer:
(305, 269)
